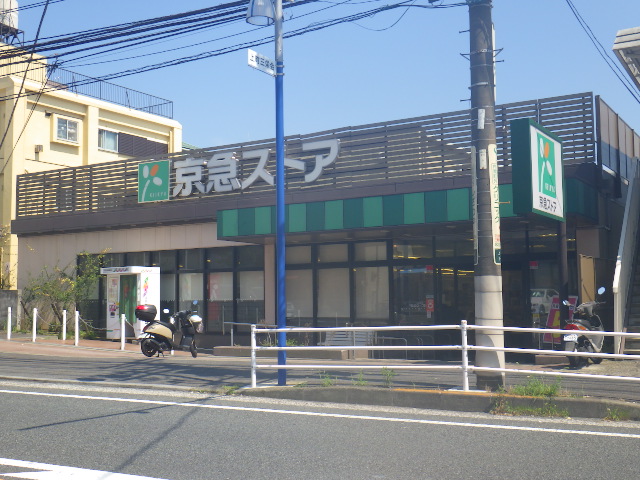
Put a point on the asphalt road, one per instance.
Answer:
(192, 437)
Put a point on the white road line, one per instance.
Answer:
(45, 471)
(332, 415)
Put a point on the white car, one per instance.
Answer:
(541, 299)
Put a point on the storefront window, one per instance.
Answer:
(333, 297)
(166, 260)
(299, 287)
(251, 257)
(138, 259)
(220, 301)
(298, 255)
(251, 300)
(219, 258)
(414, 295)
(114, 260)
(413, 251)
(371, 251)
(190, 259)
(167, 295)
(372, 294)
(337, 252)
(191, 289)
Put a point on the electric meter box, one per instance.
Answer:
(128, 287)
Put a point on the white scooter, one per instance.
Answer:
(585, 319)
(176, 334)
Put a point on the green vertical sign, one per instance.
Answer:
(538, 179)
(153, 181)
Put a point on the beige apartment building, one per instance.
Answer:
(52, 118)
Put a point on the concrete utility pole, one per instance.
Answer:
(488, 271)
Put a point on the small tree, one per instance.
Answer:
(63, 288)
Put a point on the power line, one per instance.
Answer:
(611, 63)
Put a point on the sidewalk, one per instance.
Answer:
(196, 374)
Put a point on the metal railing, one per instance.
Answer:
(465, 368)
(622, 277)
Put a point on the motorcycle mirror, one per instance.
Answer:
(566, 302)
(601, 290)
(195, 302)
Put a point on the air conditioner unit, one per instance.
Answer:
(39, 148)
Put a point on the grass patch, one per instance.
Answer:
(536, 387)
(548, 409)
(618, 415)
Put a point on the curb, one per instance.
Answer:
(474, 401)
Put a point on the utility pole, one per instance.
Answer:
(488, 270)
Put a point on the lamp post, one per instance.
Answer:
(264, 13)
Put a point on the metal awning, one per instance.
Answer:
(627, 49)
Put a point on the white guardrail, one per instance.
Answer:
(76, 329)
(465, 368)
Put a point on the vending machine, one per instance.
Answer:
(128, 287)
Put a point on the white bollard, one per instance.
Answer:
(8, 323)
(122, 333)
(77, 328)
(35, 319)
(64, 325)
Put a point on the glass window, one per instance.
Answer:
(220, 301)
(108, 140)
(251, 257)
(251, 301)
(191, 289)
(219, 258)
(138, 259)
(67, 130)
(445, 247)
(413, 251)
(167, 295)
(166, 260)
(190, 259)
(114, 260)
(414, 295)
(371, 251)
(298, 254)
(299, 295)
(372, 293)
(333, 295)
(333, 253)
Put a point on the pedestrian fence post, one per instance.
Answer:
(123, 321)
(35, 320)
(8, 323)
(77, 329)
(253, 356)
(64, 325)
(465, 356)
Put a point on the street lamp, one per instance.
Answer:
(265, 13)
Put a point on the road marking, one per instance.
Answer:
(330, 415)
(45, 471)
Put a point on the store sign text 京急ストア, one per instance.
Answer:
(219, 173)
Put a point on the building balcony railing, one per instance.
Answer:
(54, 78)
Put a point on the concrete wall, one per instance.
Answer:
(8, 298)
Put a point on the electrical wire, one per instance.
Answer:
(611, 63)
(15, 104)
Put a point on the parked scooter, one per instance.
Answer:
(585, 319)
(176, 334)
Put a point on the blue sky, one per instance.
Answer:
(400, 64)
